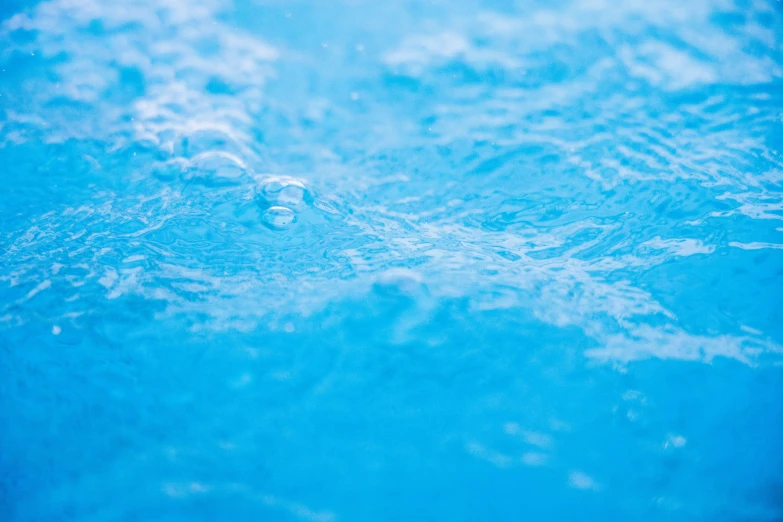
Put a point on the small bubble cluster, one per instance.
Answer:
(282, 191)
(279, 197)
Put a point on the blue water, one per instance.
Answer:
(391, 261)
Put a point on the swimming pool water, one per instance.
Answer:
(440, 260)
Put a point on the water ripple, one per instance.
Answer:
(458, 250)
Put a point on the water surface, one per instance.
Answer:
(341, 261)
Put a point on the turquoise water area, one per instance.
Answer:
(356, 261)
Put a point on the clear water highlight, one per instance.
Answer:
(380, 261)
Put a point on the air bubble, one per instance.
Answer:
(282, 191)
(216, 168)
(278, 218)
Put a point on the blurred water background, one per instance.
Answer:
(391, 261)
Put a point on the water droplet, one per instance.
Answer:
(282, 191)
(278, 218)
